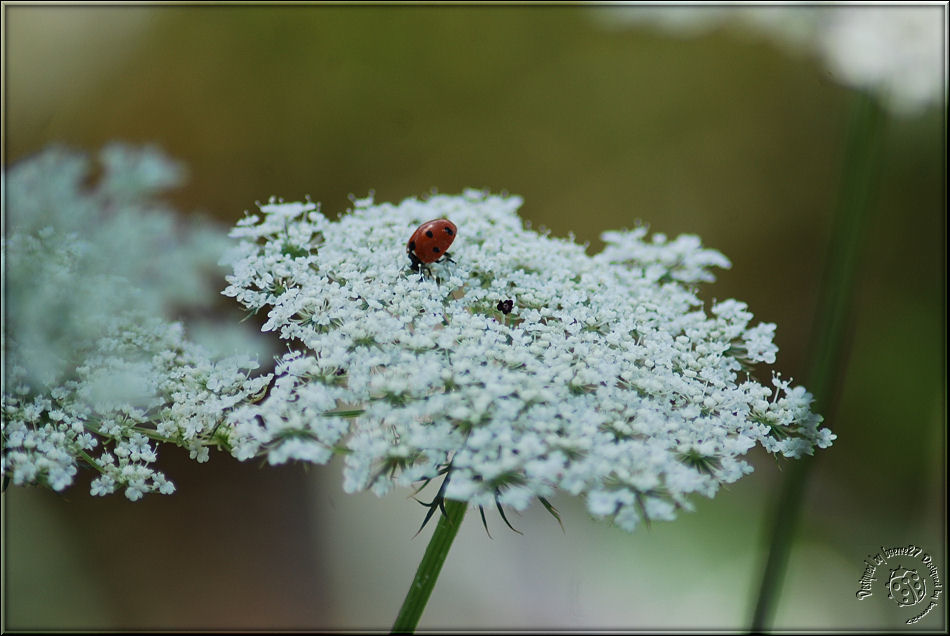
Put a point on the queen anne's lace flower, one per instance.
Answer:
(95, 373)
(607, 379)
(897, 52)
(523, 368)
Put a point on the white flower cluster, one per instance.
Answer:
(603, 376)
(896, 51)
(94, 372)
(521, 368)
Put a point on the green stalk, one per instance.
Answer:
(429, 567)
(829, 340)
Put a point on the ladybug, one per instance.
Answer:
(428, 244)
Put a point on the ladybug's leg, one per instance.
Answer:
(446, 257)
(418, 266)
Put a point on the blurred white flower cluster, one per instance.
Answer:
(898, 51)
(95, 372)
(523, 368)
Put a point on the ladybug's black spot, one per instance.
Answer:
(449, 231)
(436, 250)
(429, 233)
(412, 246)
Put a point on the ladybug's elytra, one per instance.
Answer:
(429, 242)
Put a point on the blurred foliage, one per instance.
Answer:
(727, 137)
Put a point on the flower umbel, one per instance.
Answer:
(896, 52)
(603, 376)
(96, 374)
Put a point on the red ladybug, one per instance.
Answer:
(429, 243)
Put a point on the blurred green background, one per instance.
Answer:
(724, 135)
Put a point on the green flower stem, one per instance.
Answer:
(89, 460)
(828, 354)
(429, 567)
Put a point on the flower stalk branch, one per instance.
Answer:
(828, 354)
